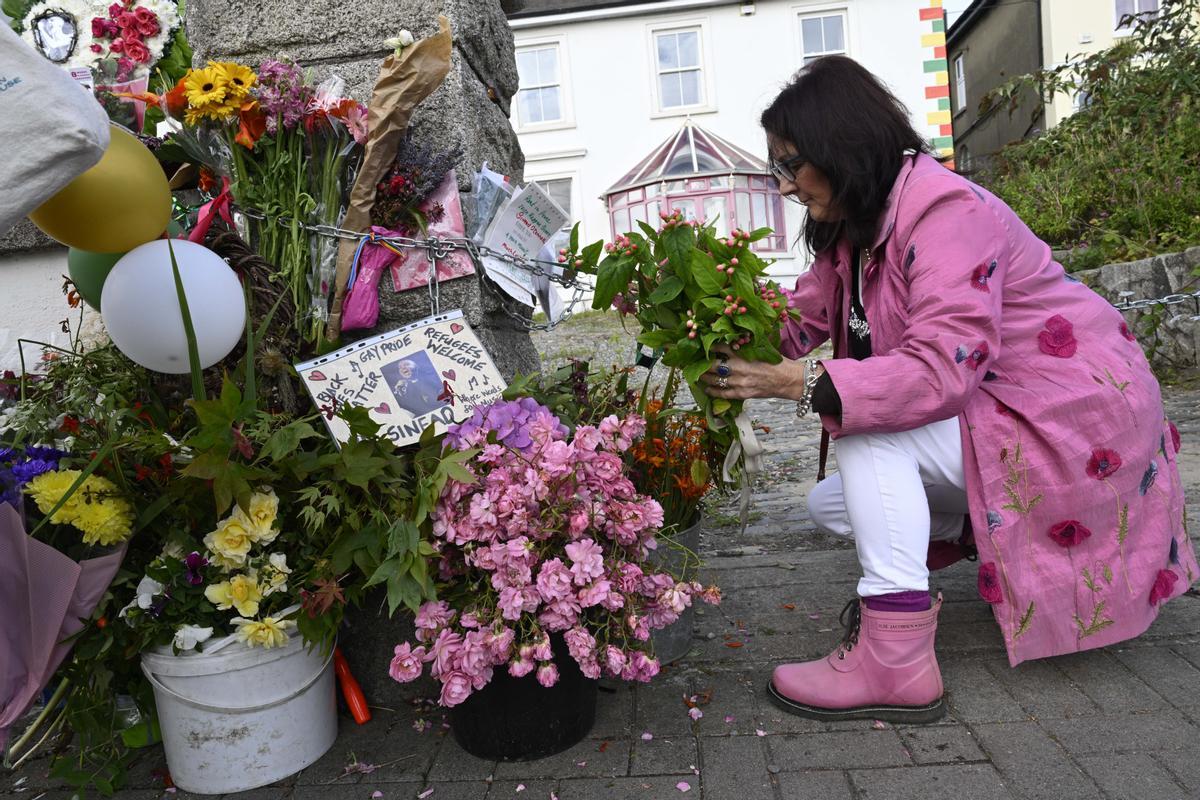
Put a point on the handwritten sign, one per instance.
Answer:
(521, 229)
(431, 372)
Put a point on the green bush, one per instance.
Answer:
(1120, 179)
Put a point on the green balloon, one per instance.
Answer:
(89, 270)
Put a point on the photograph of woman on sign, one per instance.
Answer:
(415, 383)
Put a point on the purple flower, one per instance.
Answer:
(194, 563)
(26, 471)
(282, 94)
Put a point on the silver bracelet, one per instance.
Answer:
(804, 404)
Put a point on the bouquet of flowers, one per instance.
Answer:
(691, 290)
(542, 533)
(285, 151)
(676, 461)
(413, 177)
(226, 521)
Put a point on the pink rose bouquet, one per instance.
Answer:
(545, 534)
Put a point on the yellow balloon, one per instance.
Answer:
(116, 205)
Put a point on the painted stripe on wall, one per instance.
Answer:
(937, 82)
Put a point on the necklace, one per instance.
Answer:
(858, 325)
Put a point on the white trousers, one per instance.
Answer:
(894, 493)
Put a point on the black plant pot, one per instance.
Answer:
(518, 719)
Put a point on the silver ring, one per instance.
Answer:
(722, 382)
(723, 369)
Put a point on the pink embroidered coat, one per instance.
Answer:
(1074, 491)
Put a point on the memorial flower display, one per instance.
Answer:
(542, 533)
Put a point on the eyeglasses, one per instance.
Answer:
(786, 170)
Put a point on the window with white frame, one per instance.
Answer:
(679, 68)
(540, 99)
(822, 35)
(960, 83)
(1126, 8)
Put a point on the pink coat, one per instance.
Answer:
(1072, 480)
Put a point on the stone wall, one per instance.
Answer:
(470, 109)
(1176, 342)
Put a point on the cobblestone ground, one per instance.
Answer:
(1121, 722)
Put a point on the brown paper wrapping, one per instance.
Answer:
(404, 81)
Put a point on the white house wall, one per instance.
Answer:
(609, 79)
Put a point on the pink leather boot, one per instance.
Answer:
(884, 669)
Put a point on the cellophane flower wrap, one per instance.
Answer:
(542, 534)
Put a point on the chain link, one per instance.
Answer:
(1169, 300)
(556, 272)
(437, 248)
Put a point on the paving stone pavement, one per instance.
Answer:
(1118, 723)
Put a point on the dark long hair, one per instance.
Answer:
(842, 120)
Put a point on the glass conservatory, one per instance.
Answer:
(707, 178)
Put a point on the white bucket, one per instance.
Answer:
(242, 717)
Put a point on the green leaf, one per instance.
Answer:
(681, 354)
(574, 244)
(666, 317)
(667, 291)
(386, 571)
(648, 230)
(656, 338)
(704, 272)
(611, 278)
(1026, 620)
(693, 371)
(720, 406)
(285, 440)
(592, 252)
(189, 331)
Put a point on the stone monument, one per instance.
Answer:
(470, 110)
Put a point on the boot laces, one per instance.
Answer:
(851, 619)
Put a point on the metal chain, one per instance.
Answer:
(437, 248)
(557, 273)
(1169, 300)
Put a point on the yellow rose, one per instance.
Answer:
(261, 512)
(230, 542)
(276, 574)
(267, 632)
(241, 592)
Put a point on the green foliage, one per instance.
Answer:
(16, 10)
(1120, 179)
(692, 292)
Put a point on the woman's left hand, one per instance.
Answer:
(735, 378)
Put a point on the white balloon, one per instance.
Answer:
(141, 308)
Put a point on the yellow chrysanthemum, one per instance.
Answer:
(104, 520)
(49, 487)
(261, 511)
(267, 632)
(95, 508)
(239, 79)
(241, 592)
(230, 543)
